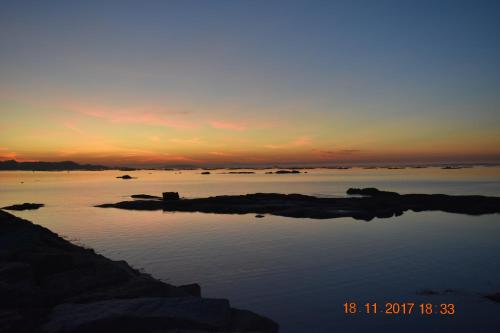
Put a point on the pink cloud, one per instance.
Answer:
(227, 125)
(146, 115)
(298, 142)
(220, 153)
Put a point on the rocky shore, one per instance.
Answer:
(365, 204)
(48, 284)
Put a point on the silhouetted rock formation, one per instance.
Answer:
(125, 177)
(144, 196)
(49, 166)
(239, 172)
(50, 284)
(372, 203)
(370, 191)
(279, 172)
(205, 173)
(24, 206)
(452, 167)
(168, 196)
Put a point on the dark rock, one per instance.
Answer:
(249, 321)
(373, 204)
(24, 206)
(205, 173)
(259, 216)
(240, 172)
(286, 171)
(125, 177)
(141, 315)
(145, 196)
(370, 191)
(192, 289)
(170, 196)
(44, 276)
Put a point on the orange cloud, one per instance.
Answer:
(337, 152)
(220, 153)
(298, 142)
(227, 125)
(8, 156)
(145, 115)
(192, 141)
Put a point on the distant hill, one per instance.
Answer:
(49, 166)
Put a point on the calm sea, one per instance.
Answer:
(299, 272)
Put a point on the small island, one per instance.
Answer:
(364, 204)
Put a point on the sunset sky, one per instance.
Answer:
(250, 82)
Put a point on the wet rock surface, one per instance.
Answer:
(50, 284)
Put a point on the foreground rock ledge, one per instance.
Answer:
(366, 205)
(48, 284)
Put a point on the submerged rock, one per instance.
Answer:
(24, 206)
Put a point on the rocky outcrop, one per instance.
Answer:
(49, 284)
(168, 196)
(24, 206)
(239, 172)
(368, 204)
(144, 196)
(280, 172)
(125, 177)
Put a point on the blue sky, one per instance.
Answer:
(322, 65)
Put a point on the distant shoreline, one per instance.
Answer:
(12, 165)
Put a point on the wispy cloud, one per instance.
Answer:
(192, 141)
(151, 116)
(220, 153)
(119, 155)
(234, 126)
(340, 151)
(336, 152)
(298, 142)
